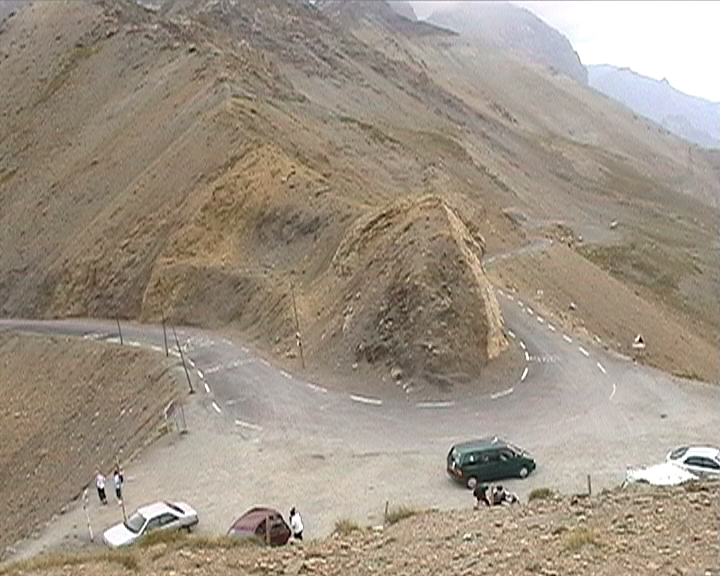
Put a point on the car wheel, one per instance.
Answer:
(523, 472)
(471, 482)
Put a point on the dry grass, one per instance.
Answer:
(579, 538)
(125, 558)
(344, 526)
(540, 494)
(398, 513)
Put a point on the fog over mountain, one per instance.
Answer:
(695, 119)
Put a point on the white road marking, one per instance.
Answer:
(175, 353)
(365, 400)
(207, 387)
(540, 319)
(501, 394)
(93, 335)
(247, 425)
(213, 369)
(602, 368)
(134, 344)
(510, 297)
(584, 352)
(317, 388)
(200, 374)
(567, 338)
(217, 408)
(527, 356)
(520, 303)
(522, 345)
(434, 404)
(286, 374)
(226, 341)
(511, 334)
(264, 362)
(530, 311)
(524, 374)
(499, 291)
(613, 392)
(190, 361)
(245, 350)
(157, 348)
(551, 328)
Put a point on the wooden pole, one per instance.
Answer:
(182, 358)
(589, 485)
(167, 352)
(298, 337)
(117, 319)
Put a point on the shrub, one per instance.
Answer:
(540, 494)
(345, 527)
(399, 513)
(578, 538)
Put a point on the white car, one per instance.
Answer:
(665, 474)
(157, 516)
(700, 460)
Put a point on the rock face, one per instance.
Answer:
(416, 293)
(515, 30)
(695, 119)
(404, 9)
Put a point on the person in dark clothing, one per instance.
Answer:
(100, 485)
(118, 481)
(481, 495)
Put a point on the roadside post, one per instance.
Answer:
(182, 358)
(298, 338)
(117, 319)
(85, 500)
(167, 352)
(122, 500)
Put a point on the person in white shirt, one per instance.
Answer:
(296, 525)
(100, 485)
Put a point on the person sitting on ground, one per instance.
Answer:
(296, 525)
(481, 495)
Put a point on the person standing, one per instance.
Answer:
(100, 485)
(296, 525)
(117, 481)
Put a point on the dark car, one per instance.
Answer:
(487, 459)
(263, 523)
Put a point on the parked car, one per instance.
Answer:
(700, 460)
(265, 523)
(487, 459)
(156, 516)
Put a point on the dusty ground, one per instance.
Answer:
(68, 407)
(639, 531)
(226, 152)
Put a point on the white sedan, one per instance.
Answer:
(699, 460)
(157, 516)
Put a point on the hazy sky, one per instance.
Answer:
(678, 40)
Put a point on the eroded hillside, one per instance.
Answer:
(198, 158)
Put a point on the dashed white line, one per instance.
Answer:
(245, 350)
(584, 352)
(190, 361)
(227, 342)
(501, 394)
(365, 400)
(317, 388)
(134, 344)
(435, 404)
(499, 291)
(510, 297)
(613, 392)
(567, 338)
(527, 356)
(200, 374)
(530, 311)
(213, 369)
(247, 425)
(264, 362)
(540, 319)
(286, 375)
(519, 303)
(601, 367)
(511, 334)
(522, 345)
(217, 408)
(207, 388)
(524, 374)
(551, 328)
(157, 349)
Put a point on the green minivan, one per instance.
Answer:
(487, 459)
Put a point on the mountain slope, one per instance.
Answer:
(229, 149)
(695, 119)
(516, 30)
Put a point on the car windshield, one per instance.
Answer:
(678, 452)
(135, 523)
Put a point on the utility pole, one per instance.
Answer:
(167, 352)
(298, 337)
(117, 319)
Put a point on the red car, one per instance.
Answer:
(264, 523)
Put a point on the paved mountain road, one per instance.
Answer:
(261, 435)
